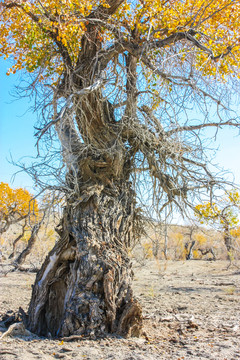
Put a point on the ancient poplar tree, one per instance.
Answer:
(128, 87)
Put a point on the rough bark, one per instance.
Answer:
(84, 286)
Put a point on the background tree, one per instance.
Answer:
(16, 205)
(203, 247)
(119, 85)
(49, 211)
(190, 244)
(224, 214)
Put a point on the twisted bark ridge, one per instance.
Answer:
(84, 286)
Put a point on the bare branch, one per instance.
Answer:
(202, 126)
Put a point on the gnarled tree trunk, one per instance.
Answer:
(84, 286)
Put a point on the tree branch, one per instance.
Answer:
(201, 126)
(68, 105)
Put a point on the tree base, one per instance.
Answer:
(84, 285)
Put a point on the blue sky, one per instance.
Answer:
(17, 135)
(16, 130)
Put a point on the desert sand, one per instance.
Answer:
(191, 310)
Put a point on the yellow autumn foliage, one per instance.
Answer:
(38, 33)
(236, 232)
(225, 212)
(16, 203)
(200, 239)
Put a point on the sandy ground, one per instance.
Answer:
(191, 311)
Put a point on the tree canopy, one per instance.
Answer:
(49, 33)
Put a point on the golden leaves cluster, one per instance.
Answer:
(226, 212)
(16, 203)
(30, 31)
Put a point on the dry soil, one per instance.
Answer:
(191, 311)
